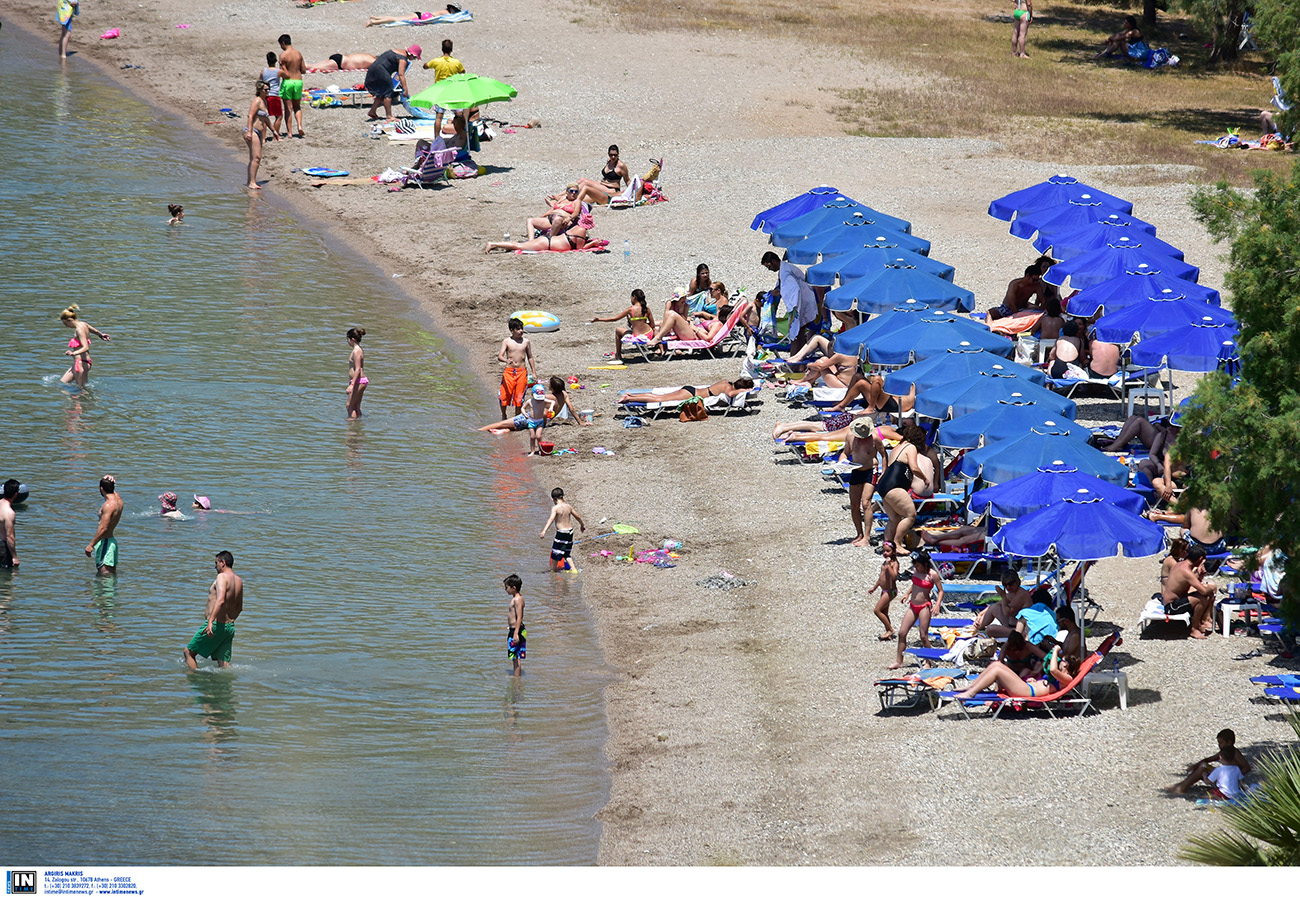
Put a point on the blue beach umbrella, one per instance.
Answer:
(851, 341)
(973, 393)
(769, 219)
(1004, 419)
(1010, 458)
(1152, 317)
(869, 260)
(1069, 244)
(933, 333)
(832, 213)
(1051, 223)
(1229, 360)
(956, 364)
(1195, 347)
(886, 288)
(1083, 527)
(1055, 191)
(852, 236)
(1112, 260)
(1132, 287)
(1048, 485)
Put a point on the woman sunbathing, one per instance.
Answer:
(1060, 671)
(340, 62)
(872, 392)
(393, 20)
(572, 238)
(560, 211)
(640, 322)
(728, 388)
(679, 326)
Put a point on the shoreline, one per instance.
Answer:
(740, 724)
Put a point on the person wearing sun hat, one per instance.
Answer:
(386, 77)
(168, 502)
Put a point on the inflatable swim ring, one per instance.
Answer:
(537, 321)
(324, 172)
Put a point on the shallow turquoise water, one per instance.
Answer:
(370, 717)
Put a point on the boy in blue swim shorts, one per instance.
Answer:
(516, 632)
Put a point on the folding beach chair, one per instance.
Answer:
(431, 161)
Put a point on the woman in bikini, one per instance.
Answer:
(872, 392)
(1059, 669)
(78, 347)
(640, 323)
(925, 600)
(357, 379)
(571, 238)
(1021, 16)
(728, 388)
(612, 178)
(561, 210)
(677, 325)
(259, 123)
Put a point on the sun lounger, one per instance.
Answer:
(1283, 680)
(1287, 693)
(709, 346)
(320, 98)
(910, 692)
(1154, 612)
(721, 403)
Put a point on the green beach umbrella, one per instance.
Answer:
(463, 91)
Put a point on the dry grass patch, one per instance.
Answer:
(957, 78)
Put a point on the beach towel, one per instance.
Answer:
(447, 18)
(330, 71)
(1021, 322)
(591, 246)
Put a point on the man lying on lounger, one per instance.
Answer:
(341, 62)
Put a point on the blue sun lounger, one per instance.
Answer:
(908, 692)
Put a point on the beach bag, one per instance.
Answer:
(692, 409)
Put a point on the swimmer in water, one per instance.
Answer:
(168, 502)
(357, 379)
(78, 346)
(177, 213)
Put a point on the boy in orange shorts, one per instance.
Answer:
(517, 355)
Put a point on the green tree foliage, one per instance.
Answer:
(1242, 444)
(1267, 823)
(1277, 31)
(1221, 20)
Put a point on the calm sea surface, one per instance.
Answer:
(370, 717)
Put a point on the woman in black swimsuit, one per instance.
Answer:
(895, 484)
(729, 388)
(612, 178)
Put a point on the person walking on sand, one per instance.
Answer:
(225, 602)
(271, 75)
(8, 540)
(1021, 16)
(292, 71)
(516, 354)
(78, 346)
(357, 379)
(887, 583)
(259, 123)
(67, 9)
(562, 515)
(103, 548)
(516, 632)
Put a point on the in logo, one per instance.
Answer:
(20, 882)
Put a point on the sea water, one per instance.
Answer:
(370, 716)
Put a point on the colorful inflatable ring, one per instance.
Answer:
(325, 172)
(537, 321)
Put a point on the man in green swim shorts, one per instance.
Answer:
(292, 71)
(225, 601)
(103, 548)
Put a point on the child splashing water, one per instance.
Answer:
(926, 599)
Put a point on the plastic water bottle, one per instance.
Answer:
(627, 250)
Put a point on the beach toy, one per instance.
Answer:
(546, 448)
(586, 415)
(325, 172)
(536, 321)
(110, 34)
(625, 529)
(68, 9)
(182, 26)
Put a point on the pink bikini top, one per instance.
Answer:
(922, 583)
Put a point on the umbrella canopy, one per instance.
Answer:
(851, 341)
(837, 211)
(1083, 527)
(463, 91)
(1048, 485)
(1056, 190)
(1131, 287)
(1071, 216)
(886, 288)
(869, 260)
(768, 220)
(933, 333)
(1004, 419)
(852, 235)
(956, 364)
(1068, 244)
(1112, 260)
(1010, 458)
(1196, 347)
(973, 393)
(1152, 317)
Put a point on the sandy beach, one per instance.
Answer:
(744, 725)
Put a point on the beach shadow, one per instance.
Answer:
(1137, 697)
(496, 169)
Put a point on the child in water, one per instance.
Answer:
(562, 515)
(516, 632)
(177, 213)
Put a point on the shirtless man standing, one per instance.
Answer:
(225, 601)
(1185, 591)
(8, 547)
(1019, 293)
(103, 548)
(292, 71)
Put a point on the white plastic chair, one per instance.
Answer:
(1146, 394)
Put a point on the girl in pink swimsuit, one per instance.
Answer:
(357, 380)
(926, 599)
(78, 347)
